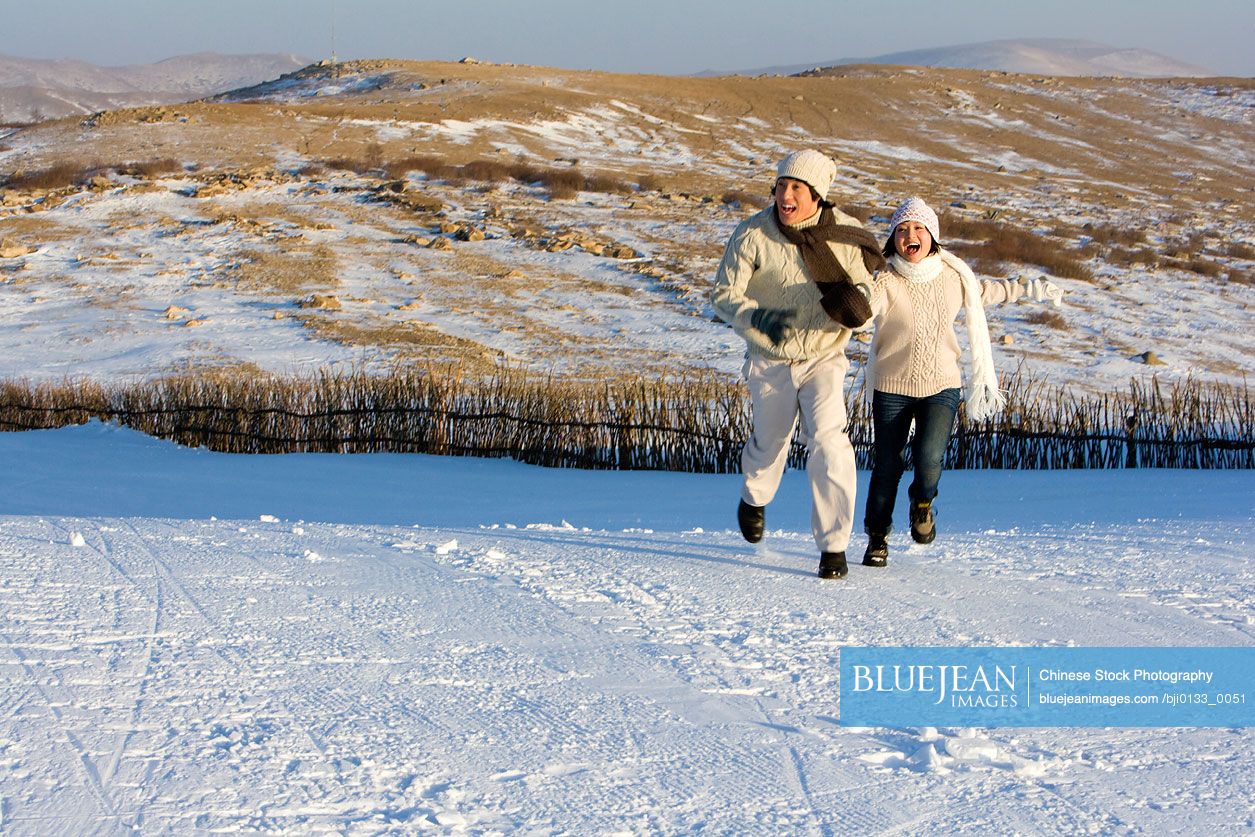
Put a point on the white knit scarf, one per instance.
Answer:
(983, 397)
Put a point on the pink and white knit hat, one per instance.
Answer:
(914, 209)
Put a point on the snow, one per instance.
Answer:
(375, 644)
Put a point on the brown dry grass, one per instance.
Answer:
(1187, 252)
(562, 183)
(290, 272)
(56, 176)
(650, 182)
(1125, 258)
(36, 229)
(271, 212)
(1108, 234)
(63, 174)
(368, 160)
(484, 266)
(1185, 246)
(857, 210)
(1203, 266)
(1047, 318)
(150, 169)
(998, 243)
(506, 283)
(1239, 250)
(685, 423)
(748, 200)
(223, 370)
(411, 340)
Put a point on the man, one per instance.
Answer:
(788, 284)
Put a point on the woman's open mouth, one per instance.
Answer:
(912, 248)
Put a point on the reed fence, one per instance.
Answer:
(693, 423)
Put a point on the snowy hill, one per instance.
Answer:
(34, 89)
(322, 219)
(1036, 56)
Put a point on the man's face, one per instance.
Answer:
(794, 201)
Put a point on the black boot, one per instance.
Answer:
(877, 554)
(752, 520)
(832, 565)
(923, 527)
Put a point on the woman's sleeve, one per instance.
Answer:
(998, 291)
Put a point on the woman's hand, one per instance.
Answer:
(1040, 290)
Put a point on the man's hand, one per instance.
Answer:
(773, 322)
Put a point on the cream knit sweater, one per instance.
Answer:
(760, 269)
(915, 351)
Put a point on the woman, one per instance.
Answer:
(914, 368)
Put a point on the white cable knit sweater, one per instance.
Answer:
(761, 269)
(915, 351)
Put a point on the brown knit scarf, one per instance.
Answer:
(841, 300)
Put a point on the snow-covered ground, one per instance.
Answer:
(196, 642)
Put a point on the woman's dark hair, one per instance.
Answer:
(892, 250)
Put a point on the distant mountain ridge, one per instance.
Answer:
(1038, 56)
(35, 89)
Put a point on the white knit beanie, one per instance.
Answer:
(914, 209)
(811, 167)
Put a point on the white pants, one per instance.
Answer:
(779, 391)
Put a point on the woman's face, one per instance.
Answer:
(912, 241)
(794, 201)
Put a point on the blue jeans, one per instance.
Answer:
(891, 420)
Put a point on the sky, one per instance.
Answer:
(640, 36)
